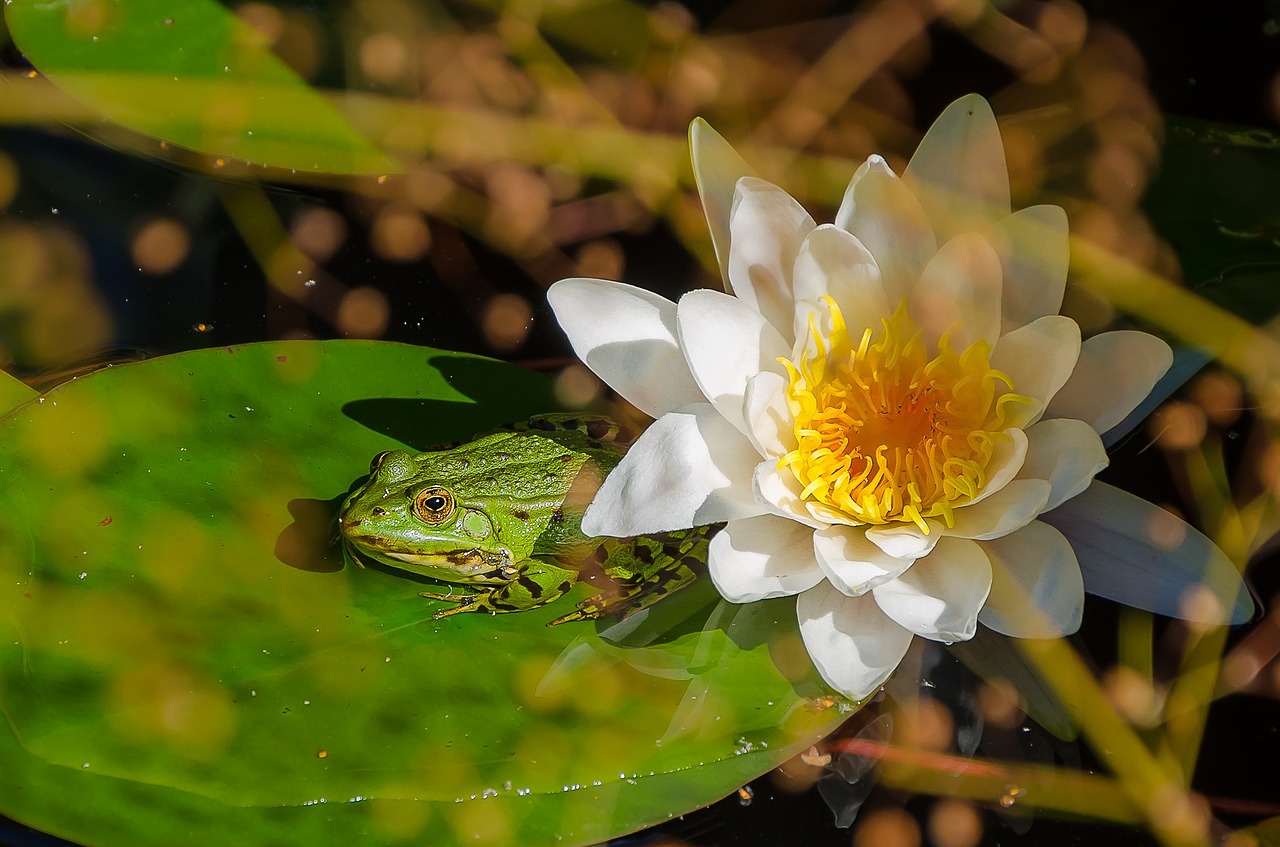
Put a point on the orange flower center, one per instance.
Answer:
(884, 432)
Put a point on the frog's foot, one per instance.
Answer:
(635, 593)
(464, 603)
(534, 585)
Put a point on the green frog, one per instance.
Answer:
(502, 514)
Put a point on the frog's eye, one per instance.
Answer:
(376, 464)
(433, 505)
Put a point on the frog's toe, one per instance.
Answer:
(450, 597)
(578, 615)
(465, 603)
(589, 609)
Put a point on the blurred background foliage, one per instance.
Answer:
(422, 171)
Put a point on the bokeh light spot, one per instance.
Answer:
(318, 233)
(954, 823)
(506, 321)
(887, 828)
(400, 235)
(1178, 426)
(363, 313)
(576, 387)
(160, 246)
(9, 179)
(1220, 395)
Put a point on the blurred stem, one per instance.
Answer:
(1187, 708)
(1137, 642)
(1042, 787)
(1237, 343)
(1150, 787)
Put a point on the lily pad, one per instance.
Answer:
(191, 73)
(13, 393)
(185, 655)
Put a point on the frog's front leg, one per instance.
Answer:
(535, 583)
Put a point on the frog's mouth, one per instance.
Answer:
(471, 564)
(473, 561)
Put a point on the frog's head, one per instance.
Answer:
(419, 523)
(469, 514)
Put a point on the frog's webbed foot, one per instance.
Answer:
(465, 603)
(534, 585)
(643, 571)
(632, 597)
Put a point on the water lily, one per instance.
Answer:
(888, 412)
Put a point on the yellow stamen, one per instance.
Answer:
(886, 435)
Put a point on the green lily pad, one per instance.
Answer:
(185, 655)
(191, 73)
(13, 393)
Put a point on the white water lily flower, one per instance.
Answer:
(889, 413)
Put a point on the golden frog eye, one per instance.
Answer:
(433, 505)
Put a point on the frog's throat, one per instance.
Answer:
(471, 562)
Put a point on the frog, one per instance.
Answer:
(498, 520)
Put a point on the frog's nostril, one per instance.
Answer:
(377, 511)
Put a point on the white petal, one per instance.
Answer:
(767, 556)
(766, 228)
(1040, 356)
(1066, 453)
(940, 595)
(768, 419)
(1115, 372)
(1136, 553)
(905, 540)
(959, 291)
(959, 170)
(1010, 508)
(717, 167)
(853, 644)
(849, 203)
(1006, 461)
(889, 221)
(690, 468)
(726, 342)
(1036, 587)
(852, 563)
(1033, 245)
(779, 492)
(1186, 361)
(627, 336)
(835, 263)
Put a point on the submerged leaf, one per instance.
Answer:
(192, 73)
